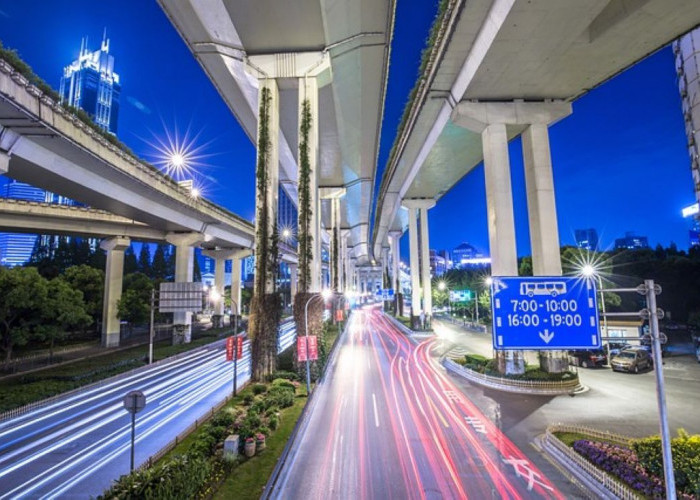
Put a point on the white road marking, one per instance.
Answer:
(376, 414)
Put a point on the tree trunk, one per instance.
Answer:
(263, 326)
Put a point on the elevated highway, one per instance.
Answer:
(43, 144)
(334, 53)
(498, 69)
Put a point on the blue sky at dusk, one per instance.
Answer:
(620, 161)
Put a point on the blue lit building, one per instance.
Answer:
(15, 249)
(587, 239)
(631, 242)
(90, 83)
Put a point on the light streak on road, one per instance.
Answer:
(75, 446)
(388, 423)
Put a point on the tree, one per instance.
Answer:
(23, 293)
(90, 282)
(63, 258)
(131, 265)
(62, 310)
(135, 303)
(145, 261)
(160, 262)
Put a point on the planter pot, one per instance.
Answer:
(249, 449)
(260, 444)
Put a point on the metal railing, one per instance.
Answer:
(542, 387)
(611, 484)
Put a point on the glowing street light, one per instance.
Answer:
(590, 272)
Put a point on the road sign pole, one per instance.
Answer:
(133, 437)
(151, 330)
(235, 348)
(660, 390)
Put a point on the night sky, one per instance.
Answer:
(620, 161)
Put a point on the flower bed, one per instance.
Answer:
(623, 464)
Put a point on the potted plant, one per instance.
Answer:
(249, 447)
(260, 441)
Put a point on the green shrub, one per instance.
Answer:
(686, 459)
(273, 422)
(247, 399)
(280, 382)
(288, 375)
(223, 419)
(280, 396)
(180, 478)
(264, 430)
(259, 388)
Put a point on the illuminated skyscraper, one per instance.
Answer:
(90, 83)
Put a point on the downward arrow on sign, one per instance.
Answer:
(546, 336)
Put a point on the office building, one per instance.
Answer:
(687, 52)
(631, 242)
(465, 254)
(587, 239)
(15, 249)
(90, 83)
(438, 263)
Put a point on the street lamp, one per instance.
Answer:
(234, 305)
(325, 295)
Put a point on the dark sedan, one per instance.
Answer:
(588, 358)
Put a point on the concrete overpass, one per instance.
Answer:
(333, 53)
(20, 216)
(498, 69)
(43, 144)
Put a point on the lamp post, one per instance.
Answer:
(325, 294)
(235, 345)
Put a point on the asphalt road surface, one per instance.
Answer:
(387, 422)
(624, 403)
(76, 446)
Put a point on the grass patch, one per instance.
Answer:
(24, 389)
(248, 479)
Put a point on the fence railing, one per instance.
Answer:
(542, 387)
(614, 486)
(44, 356)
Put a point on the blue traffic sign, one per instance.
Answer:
(541, 313)
(385, 294)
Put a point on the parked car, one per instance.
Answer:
(588, 358)
(632, 359)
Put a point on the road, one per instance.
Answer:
(387, 422)
(619, 402)
(76, 446)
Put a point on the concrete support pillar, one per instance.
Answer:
(425, 264)
(271, 192)
(293, 276)
(308, 90)
(414, 263)
(219, 283)
(542, 211)
(491, 119)
(499, 201)
(4, 162)
(184, 260)
(338, 271)
(114, 275)
(394, 239)
(236, 285)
